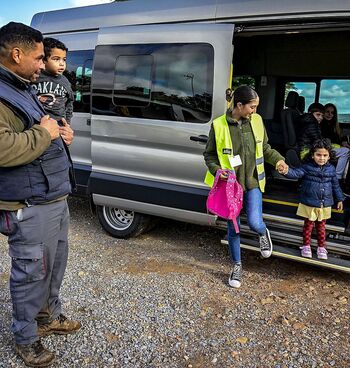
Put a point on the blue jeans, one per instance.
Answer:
(252, 201)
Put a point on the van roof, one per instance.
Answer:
(136, 12)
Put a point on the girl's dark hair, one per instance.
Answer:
(52, 43)
(334, 122)
(319, 144)
(242, 94)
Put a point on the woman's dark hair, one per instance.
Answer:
(334, 121)
(319, 144)
(242, 94)
(52, 43)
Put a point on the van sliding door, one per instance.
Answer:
(155, 91)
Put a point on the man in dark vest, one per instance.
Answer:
(34, 185)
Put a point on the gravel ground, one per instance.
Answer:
(162, 300)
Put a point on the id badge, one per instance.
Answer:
(235, 161)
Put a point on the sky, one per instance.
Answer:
(23, 10)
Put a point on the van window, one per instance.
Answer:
(306, 89)
(337, 92)
(78, 72)
(133, 80)
(154, 81)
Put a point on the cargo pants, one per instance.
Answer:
(38, 246)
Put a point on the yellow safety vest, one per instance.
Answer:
(224, 144)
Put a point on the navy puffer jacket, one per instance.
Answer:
(319, 186)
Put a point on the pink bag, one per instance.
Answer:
(225, 198)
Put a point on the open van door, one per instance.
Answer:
(155, 91)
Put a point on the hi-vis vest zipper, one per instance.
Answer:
(224, 144)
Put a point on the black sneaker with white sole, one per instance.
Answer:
(235, 276)
(265, 244)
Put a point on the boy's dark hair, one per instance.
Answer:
(242, 94)
(315, 107)
(18, 34)
(322, 143)
(52, 43)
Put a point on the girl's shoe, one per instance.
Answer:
(235, 276)
(322, 253)
(306, 251)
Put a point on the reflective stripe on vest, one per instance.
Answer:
(224, 144)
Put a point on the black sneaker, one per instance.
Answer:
(35, 355)
(265, 244)
(236, 276)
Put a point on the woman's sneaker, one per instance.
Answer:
(265, 244)
(306, 251)
(236, 276)
(322, 253)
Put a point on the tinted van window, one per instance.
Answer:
(78, 72)
(155, 81)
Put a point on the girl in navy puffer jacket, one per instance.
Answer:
(318, 188)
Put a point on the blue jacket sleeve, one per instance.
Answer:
(337, 192)
(295, 173)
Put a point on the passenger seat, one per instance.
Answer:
(289, 119)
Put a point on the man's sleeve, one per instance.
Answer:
(20, 147)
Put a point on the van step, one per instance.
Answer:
(333, 263)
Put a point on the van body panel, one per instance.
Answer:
(159, 150)
(168, 11)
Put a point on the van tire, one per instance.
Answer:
(120, 223)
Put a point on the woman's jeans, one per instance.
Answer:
(252, 201)
(343, 155)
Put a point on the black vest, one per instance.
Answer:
(46, 178)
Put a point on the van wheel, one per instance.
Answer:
(122, 223)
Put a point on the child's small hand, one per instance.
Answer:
(340, 206)
(66, 132)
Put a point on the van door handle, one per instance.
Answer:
(199, 138)
(88, 122)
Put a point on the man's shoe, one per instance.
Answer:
(60, 326)
(265, 244)
(322, 253)
(35, 355)
(306, 251)
(236, 276)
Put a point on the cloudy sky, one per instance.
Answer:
(23, 10)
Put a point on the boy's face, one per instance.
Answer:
(318, 115)
(56, 62)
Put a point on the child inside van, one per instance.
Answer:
(319, 188)
(310, 128)
(53, 88)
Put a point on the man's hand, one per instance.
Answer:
(51, 126)
(66, 132)
(340, 206)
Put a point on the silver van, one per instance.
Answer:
(150, 76)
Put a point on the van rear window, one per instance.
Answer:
(154, 81)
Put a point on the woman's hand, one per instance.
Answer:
(282, 167)
(340, 206)
(224, 175)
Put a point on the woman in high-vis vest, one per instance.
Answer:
(238, 141)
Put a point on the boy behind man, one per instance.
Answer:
(53, 88)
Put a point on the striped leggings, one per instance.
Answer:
(320, 231)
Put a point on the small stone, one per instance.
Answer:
(299, 326)
(267, 300)
(242, 340)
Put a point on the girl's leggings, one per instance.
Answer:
(320, 231)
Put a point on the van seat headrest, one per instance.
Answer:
(292, 99)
